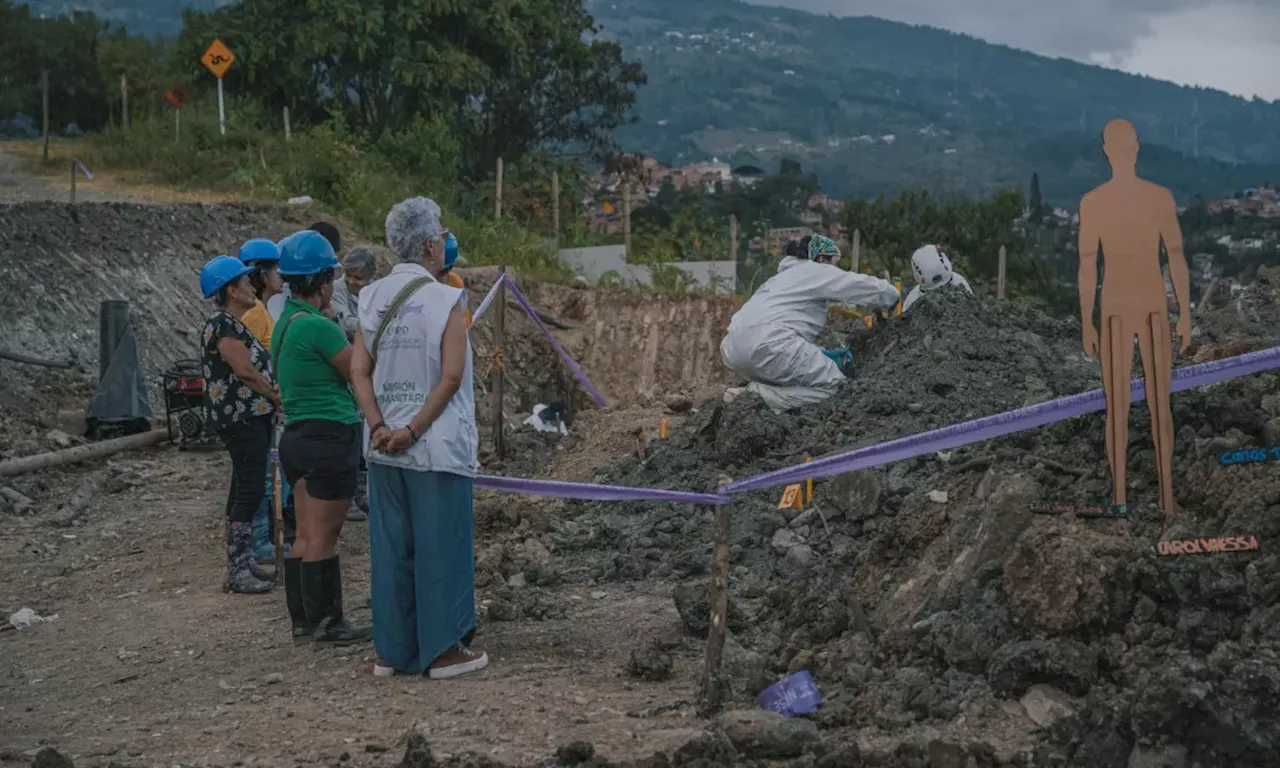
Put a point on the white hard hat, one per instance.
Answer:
(931, 267)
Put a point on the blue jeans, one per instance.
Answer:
(422, 557)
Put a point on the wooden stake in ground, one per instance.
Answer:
(555, 207)
(124, 102)
(278, 494)
(497, 197)
(854, 250)
(288, 133)
(44, 100)
(626, 220)
(1000, 279)
(733, 239)
(499, 375)
(712, 688)
(73, 182)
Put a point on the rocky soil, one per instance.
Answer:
(927, 599)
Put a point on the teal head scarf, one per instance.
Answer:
(821, 245)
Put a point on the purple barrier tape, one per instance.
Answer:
(1000, 424)
(84, 170)
(484, 305)
(591, 491)
(569, 361)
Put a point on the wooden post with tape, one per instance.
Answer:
(499, 373)
(712, 693)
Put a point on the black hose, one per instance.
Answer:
(19, 358)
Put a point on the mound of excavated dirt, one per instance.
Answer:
(968, 616)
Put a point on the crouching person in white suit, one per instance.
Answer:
(932, 269)
(771, 339)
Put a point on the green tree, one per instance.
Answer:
(67, 47)
(508, 76)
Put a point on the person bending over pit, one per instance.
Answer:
(412, 373)
(771, 339)
(239, 398)
(932, 269)
(320, 448)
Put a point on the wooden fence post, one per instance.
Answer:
(44, 99)
(124, 102)
(497, 200)
(499, 373)
(288, 132)
(1000, 278)
(855, 249)
(555, 207)
(712, 684)
(626, 220)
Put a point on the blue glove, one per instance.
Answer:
(841, 356)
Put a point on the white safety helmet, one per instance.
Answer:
(931, 267)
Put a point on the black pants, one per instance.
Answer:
(249, 443)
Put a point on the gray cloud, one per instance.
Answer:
(1227, 44)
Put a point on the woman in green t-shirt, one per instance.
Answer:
(321, 445)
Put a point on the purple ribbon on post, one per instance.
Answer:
(83, 169)
(488, 299)
(569, 361)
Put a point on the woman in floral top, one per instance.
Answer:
(240, 396)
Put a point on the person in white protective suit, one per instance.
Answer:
(932, 269)
(771, 339)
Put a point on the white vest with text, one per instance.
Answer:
(408, 368)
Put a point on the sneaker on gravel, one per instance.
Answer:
(459, 660)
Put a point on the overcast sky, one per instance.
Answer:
(1233, 45)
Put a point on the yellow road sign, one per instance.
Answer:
(218, 59)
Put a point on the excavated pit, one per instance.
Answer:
(1010, 633)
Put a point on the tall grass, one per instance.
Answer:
(354, 180)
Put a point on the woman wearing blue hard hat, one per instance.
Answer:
(321, 445)
(446, 274)
(240, 397)
(264, 256)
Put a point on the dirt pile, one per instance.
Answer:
(927, 598)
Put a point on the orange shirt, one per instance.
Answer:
(454, 281)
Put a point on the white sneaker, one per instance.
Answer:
(464, 662)
(381, 671)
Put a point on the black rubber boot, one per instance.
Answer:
(322, 598)
(293, 598)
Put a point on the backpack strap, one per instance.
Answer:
(394, 309)
(287, 321)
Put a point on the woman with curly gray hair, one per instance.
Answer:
(411, 368)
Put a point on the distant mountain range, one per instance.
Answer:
(753, 84)
(873, 106)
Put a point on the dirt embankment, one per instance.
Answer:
(57, 263)
(1009, 635)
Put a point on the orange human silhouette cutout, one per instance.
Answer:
(1128, 218)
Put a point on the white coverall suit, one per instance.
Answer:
(771, 339)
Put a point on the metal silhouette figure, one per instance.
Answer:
(1128, 218)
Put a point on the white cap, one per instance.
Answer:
(931, 267)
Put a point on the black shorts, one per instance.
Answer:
(324, 453)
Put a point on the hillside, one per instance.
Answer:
(753, 84)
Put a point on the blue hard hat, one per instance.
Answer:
(220, 272)
(306, 253)
(259, 249)
(450, 251)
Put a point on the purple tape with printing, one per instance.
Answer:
(1000, 424)
(569, 361)
(488, 299)
(591, 491)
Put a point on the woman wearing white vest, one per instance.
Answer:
(412, 374)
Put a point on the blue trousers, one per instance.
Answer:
(421, 552)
